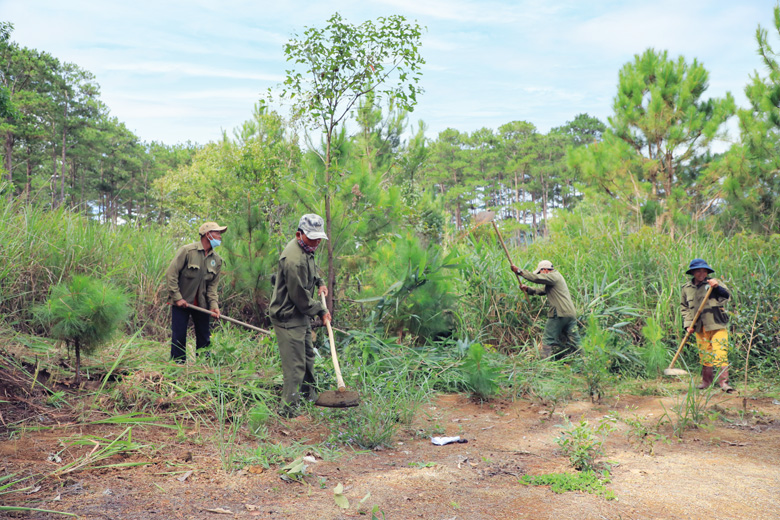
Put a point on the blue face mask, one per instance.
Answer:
(214, 242)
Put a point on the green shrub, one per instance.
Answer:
(595, 359)
(583, 444)
(84, 312)
(417, 294)
(258, 417)
(655, 352)
(480, 376)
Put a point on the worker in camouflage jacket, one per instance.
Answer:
(192, 278)
(712, 337)
(292, 307)
(561, 336)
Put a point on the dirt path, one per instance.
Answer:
(726, 471)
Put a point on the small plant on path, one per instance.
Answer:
(588, 481)
(689, 410)
(583, 444)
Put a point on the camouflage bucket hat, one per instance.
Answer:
(312, 226)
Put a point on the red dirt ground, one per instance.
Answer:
(728, 470)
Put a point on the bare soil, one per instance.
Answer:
(728, 470)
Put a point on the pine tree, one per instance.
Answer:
(85, 313)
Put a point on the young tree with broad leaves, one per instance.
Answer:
(335, 66)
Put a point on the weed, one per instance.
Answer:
(595, 359)
(229, 417)
(588, 481)
(583, 444)
(422, 464)
(689, 410)
(397, 388)
(547, 381)
(258, 416)
(480, 376)
(644, 435)
(57, 400)
(655, 352)
(102, 449)
(431, 431)
(269, 454)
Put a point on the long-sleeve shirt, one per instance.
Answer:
(293, 302)
(193, 276)
(555, 289)
(713, 317)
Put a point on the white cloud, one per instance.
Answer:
(190, 70)
(184, 69)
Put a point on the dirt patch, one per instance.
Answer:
(730, 469)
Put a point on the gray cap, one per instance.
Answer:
(312, 226)
(544, 264)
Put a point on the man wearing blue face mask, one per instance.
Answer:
(192, 278)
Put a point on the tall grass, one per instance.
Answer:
(641, 271)
(623, 276)
(42, 247)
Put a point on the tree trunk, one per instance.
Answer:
(28, 180)
(64, 134)
(72, 182)
(9, 150)
(329, 225)
(78, 362)
(55, 173)
(103, 198)
(457, 201)
(543, 181)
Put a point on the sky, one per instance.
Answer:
(185, 70)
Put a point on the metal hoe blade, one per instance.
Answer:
(335, 399)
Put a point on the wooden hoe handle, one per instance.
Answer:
(501, 239)
(687, 332)
(223, 317)
(336, 367)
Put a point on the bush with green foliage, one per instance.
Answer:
(583, 444)
(654, 353)
(251, 254)
(417, 291)
(84, 312)
(479, 375)
(594, 361)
